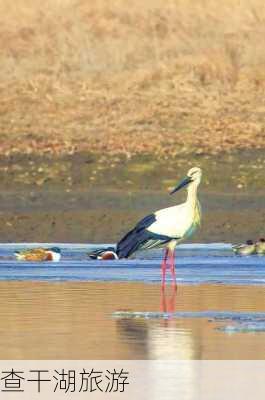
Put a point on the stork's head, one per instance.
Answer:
(193, 177)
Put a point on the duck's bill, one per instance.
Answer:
(183, 183)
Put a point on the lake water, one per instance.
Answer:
(84, 309)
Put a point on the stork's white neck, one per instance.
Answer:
(192, 194)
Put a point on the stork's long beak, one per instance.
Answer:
(183, 183)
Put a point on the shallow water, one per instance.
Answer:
(196, 264)
(81, 309)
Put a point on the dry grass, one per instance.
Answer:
(122, 77)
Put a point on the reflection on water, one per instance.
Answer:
(162, 338)
(41, 320)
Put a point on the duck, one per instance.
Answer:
(39, 254)
(260, 246)
(245, 249)
(108, 253)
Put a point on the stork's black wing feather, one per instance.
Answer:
(139, 237)
(146, 222)
(143, 224)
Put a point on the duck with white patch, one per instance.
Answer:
(245, 249)
(104, 254)
(39, 254)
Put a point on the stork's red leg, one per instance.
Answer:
(163, 268)
(172, 268)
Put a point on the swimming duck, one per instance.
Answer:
(104, 254)
(245, 249)
(260, 246)
(39, 254)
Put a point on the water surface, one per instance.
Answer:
(74, 320)
(83, 309)
(195, 263)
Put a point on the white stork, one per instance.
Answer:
(166, 227)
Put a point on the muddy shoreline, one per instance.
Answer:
(81, 199)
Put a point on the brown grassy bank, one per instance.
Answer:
(136, 77)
